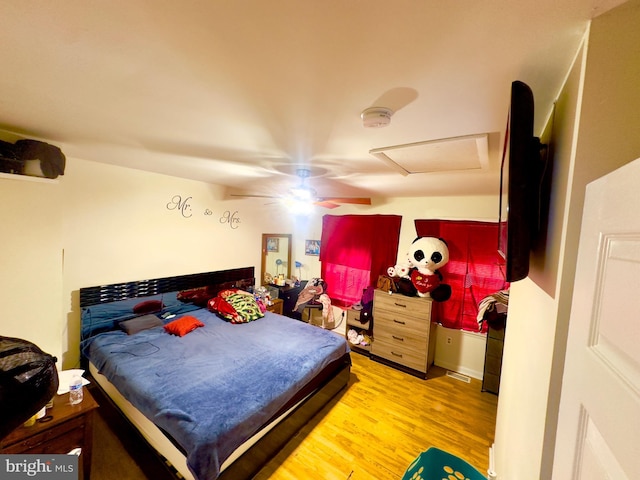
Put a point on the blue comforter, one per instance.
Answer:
(213, 388)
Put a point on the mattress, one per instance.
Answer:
(205, 396)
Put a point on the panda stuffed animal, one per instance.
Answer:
(426, 256)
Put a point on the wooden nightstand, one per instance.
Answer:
(276, 306)
(71, 426)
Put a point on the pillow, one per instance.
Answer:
(237, 306)
(148, 306)
(139, 324)
(182, 326)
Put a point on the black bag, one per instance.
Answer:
(28, 380)
(9, 160)
(52, 160)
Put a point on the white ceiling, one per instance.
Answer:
(242, 92)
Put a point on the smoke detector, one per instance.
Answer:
(376, 117)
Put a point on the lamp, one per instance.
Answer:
(299, 267)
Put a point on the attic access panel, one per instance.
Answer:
(469, 152)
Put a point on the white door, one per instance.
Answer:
(598, 433)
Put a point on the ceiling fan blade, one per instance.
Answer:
(348, 200)
(326, 204)
(253, 196)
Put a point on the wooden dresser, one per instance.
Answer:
(403, 334)
(289, 296)
(66, 427)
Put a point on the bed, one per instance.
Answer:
(224, 398)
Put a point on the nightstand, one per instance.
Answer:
(71, 426)
(276, 306)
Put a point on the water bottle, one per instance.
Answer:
(75, 390)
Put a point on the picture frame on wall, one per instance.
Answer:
(312, 247)
(273, 244)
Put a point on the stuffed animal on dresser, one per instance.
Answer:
(426, 256)
(401, 270)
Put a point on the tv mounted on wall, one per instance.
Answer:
(520, 185)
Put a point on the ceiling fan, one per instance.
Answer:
(305, 195)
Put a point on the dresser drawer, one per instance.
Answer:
(396, 304)
(492, 365)
(61, 439)
(400, 353)
(494, 347)
(410, 339)
(400, 322)
(491, 382)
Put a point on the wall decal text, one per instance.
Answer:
(231, 218)
(182, 205)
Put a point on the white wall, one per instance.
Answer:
(594, 132)
(463, 354)
(31, 261)
(533, 314)
(102, 224)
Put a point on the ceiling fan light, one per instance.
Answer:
(302, 193)
(376, 117)
(297, 206)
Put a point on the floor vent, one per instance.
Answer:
(458, 376)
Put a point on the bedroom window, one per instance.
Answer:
(475, 269)
(355, 249)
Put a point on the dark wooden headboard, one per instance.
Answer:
(104, 306)
(241, 277)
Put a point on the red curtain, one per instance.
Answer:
(354, 250)
(475, 268)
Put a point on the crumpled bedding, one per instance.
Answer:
(212, 389)
(237, 306)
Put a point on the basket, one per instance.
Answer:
(436, 464)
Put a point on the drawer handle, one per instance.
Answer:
(398, 338)
(399, 305)
(399, 321)
(396, 354)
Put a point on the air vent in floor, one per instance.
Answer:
(458, 376)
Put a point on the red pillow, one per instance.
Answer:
(183, 325)
(148, 306)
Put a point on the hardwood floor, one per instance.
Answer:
(384, 420)
(372, 430)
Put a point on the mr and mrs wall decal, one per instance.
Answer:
(183, 207)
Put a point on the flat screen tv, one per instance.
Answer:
(519, 185)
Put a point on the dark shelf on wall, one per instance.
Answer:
(27, 178)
